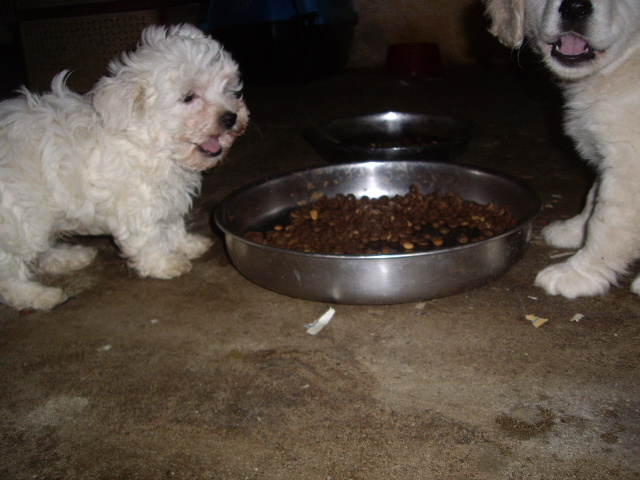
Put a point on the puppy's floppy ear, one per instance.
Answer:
(507, 21)
(118, 102)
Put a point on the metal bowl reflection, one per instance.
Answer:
(391, 136)
(375, 279)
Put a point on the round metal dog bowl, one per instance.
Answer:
(374, 279)
(391, 136)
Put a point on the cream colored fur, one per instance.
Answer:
(603, 118)
(124, 160)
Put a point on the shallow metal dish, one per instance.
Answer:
(350, 139)
(374, 279)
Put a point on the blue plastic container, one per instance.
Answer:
(284, 40)
(228, 13)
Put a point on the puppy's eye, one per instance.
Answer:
(189, 97)
(236, 93)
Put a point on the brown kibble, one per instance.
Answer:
(370, 226)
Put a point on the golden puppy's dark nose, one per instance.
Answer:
(575, 10)
(228, 119)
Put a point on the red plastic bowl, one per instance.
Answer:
(417, 59)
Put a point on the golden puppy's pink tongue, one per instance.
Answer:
(211, 147)
(571, 45)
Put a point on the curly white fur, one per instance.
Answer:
(594, 46)
(124, 160)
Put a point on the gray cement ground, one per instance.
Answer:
(209, 376)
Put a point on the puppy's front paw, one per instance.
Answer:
(22, 295)
(565, 234)
(163, 268)
(195, 245)
(65, 258)
(47, 298)
(563, 279)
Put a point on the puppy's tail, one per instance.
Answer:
(58, 88)
(59, 83)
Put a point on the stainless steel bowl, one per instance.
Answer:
(374, 279)
(350, 139)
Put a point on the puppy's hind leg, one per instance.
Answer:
(19, 291)
(65, 258)
(570, 233)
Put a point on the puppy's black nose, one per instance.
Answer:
(575, 10)
(228, 119)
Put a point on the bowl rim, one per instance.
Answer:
(535, 211)
(318, 132)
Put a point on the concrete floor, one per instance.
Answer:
(209, 376)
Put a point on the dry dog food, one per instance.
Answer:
(345, 225)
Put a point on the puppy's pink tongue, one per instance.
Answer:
(571, 45)
(212, 146)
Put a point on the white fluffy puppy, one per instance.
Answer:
(124, 160)
(593, 46)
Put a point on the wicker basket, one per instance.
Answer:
(84, 45)
(24, 4)
(84, 35)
